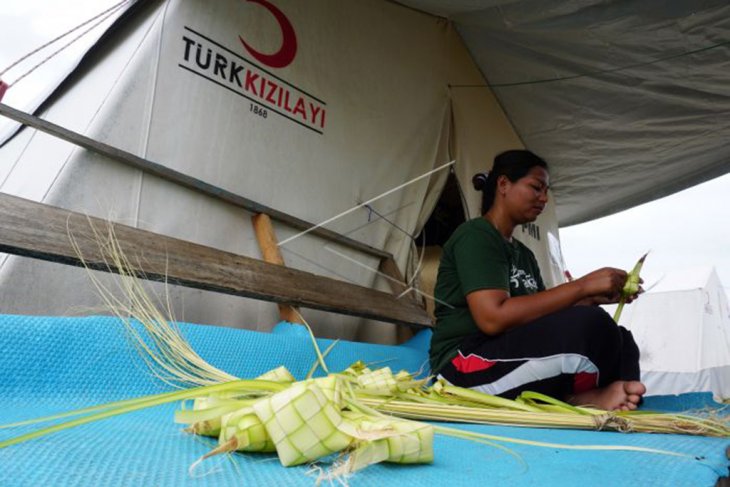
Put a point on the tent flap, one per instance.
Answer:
(626, 101)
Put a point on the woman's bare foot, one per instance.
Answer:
(620, 395)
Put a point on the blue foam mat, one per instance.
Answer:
(51, 364)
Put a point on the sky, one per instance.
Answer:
(685, 230)
(28, 24)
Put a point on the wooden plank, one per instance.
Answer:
(181, 179)
(41, 231)
(270, 252)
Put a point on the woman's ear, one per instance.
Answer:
(503, 184)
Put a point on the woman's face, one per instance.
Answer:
(526, 198)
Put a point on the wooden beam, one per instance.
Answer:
(181, 179)
(270, 252)
(41, 231)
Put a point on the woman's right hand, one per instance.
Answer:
(603, 286)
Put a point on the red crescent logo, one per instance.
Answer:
(285, 55)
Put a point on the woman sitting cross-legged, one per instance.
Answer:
(499, 331)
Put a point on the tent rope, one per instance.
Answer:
(372, 210)
(413, 271)
(99, 18)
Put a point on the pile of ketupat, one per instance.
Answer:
(358, 416)
(312, 419)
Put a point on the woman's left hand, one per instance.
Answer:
(633, 297)
(612, 299)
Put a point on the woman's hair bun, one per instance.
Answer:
(480, 180)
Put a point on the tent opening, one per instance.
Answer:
(447, 215)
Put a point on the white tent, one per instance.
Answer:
(682, 327)
(356, 104)
(312, 107)
(626, 100)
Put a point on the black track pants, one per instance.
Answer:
(567, 352)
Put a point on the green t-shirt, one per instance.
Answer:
(476, 257)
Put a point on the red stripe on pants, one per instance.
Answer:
(584, 381)
(472, 363)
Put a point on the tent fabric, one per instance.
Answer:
(625, 100)
(362, 108)
(682, 328)
(54, 364)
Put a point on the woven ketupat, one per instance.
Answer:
(400, 441)
(303, 423)
(380, 381)
(248, 430)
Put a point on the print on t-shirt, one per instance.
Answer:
(519, 278)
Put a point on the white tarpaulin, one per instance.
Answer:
(307, 107)
(628, 100)
(682, 327)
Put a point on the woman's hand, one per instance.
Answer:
(634, 296)
(604, 286)
(495, 312)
